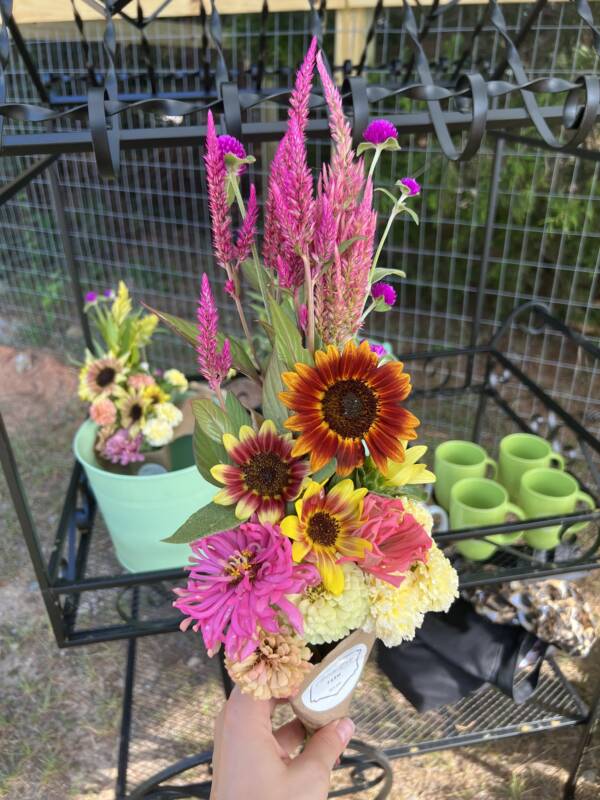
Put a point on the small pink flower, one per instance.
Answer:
(214, 364)
(412, 186)
(122, 449)
(230, 288)
(238, 583)
(378, 349)
(140, 380)
(103, 412)
(398, 539)
(384, 290)
(379, 130)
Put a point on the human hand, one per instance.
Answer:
(252, 761)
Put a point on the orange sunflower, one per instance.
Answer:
(347, 399)
(325, 527)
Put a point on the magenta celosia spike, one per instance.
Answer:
(214, 365)
(247, 232)
(290, 208)
(220, 214)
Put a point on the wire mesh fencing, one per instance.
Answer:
(151, 228)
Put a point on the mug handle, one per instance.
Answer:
(582, 497)
(489, 462)
(560, 460)
(517, 511)
(439, 513)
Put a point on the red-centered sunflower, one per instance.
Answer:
(325, 528)
(347, 399)
(264, 474)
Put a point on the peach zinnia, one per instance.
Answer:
(263, 474)
(347, 399)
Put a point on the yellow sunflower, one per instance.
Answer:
(154, 394)
(325, 528)
(133, 406)
(100, 376)
(344, 400)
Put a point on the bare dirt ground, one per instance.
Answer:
(59, 710)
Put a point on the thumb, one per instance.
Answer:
(322, 751)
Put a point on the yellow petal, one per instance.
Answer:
(312, 488)
(218, 472)
(229, 442)
(245, 507)
(290, 527)
(343, 489)
(268, 426)
(223, 498)
(299, 550)
(298, 507)
(246, 433)
(332, 574)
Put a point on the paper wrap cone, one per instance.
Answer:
(326, 693)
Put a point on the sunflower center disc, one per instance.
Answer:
(136, 412)
(105, 376)
(267, 474)
(350, 408)
(323, 529)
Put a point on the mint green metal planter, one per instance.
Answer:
(139, 511)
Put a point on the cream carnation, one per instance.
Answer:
(397, 612)
(169, 412)
(177, 379)
(157, 432)
(329, 617)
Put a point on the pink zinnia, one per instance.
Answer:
(140, 380)
(238, 584)
(397, 538)
(103, 411)
(379, 130)
(122, 449)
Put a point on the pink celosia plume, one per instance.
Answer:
(213, 365)
(220, 214)
(290, 206)
(239, 581)
(247, 232)
(344, 204)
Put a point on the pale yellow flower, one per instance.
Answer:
(168, 412)
(395, 613)
(409, 472)
(157, 432)
(330, 617)
(144, 328)
(177, 379)
(121, 306)
(134, 407)
(154, 394)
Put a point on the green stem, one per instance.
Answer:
(310, 306)
(220, 398)
(374, 161)
(242, 316)
(367, 312)
(382, 240)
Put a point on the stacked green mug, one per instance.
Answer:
(520, 453)
(455, 460)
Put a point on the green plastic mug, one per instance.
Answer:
(548, 492)
(455, 460)
(476, 503)
(520, 453)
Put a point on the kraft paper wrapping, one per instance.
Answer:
(326, 693)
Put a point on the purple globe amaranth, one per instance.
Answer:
(384, 290)
(378, 131)
(91, 297)
(229, 144)
(412, 186)
(378, 349)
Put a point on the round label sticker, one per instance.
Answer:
(336, 682)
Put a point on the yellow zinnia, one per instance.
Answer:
(325, 527)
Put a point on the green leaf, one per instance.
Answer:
(182, 327)
(288, 341)
(348, 243)
(204, 522)
(382, 272)
(272, 406)
(207, 453)
(412, 214)
(363, 147)
(248, 268)
(238, 415)
(212, 419)
(325, 472)
(387, 194)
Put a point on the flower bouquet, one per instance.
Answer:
(134, 408)
(315, 535)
